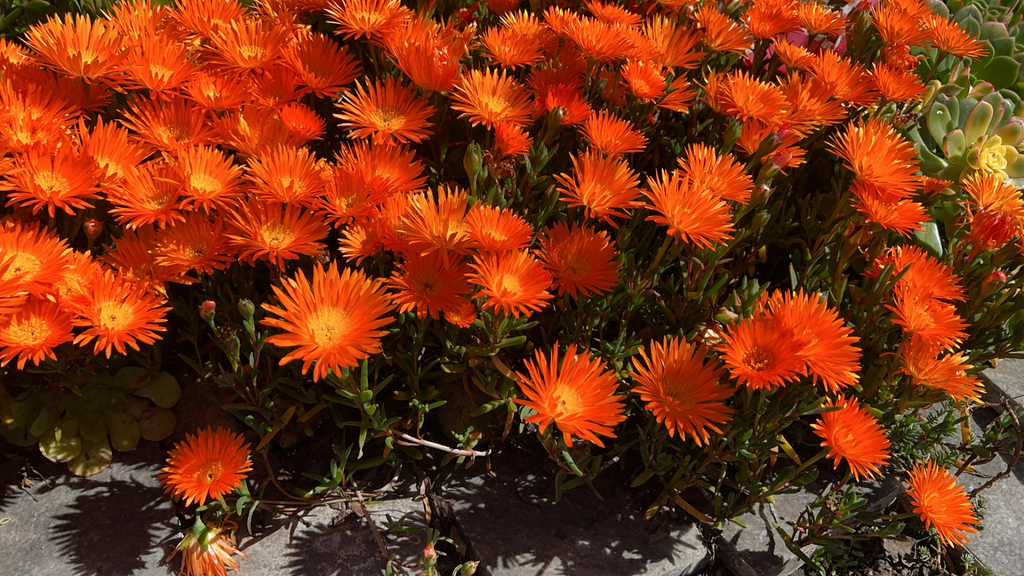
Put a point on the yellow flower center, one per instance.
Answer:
(252, 52)
(509, 284)
(29, 332)
(209, 472)
(52, 182)
(205, 183)
(758, 359)
(23, 263)
(329, 326)
(387, 119)
(159, 72)
(676, 391)
(494, 107)
(115, 317)
(567, 400)
(277, 235)
(177, 132)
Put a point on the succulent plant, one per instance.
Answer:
(979, 131)
(109, 413)
(1001, 28)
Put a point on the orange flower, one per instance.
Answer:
(672, 46)
(510, 140)
(645, 80)
(845, 80)
(941, 503)
(31, 259)
(74, 285)
(949, 37)
(820, 19)
(429, 285)
(386, 111)
(346, 197)
(999, 211)
(919, 273)
(947, 374)
(612, 135)
(681, 390)
(111, 148)
(210, 180)
(903, 216)
(196, 243)
(496, 230)
(369, 18)
(747, 98)
(206, 466)
(215, 92)
(254, 130)
(576, 394)
(148, 194)
(880, 158)
(567, 99)
(794, 57)
(169, 124)
(246, 46)
(134, 256)
(322, 65)
(462, 315)
(519, 41)
(285, 174)
(275, 86)
(770, 18)
(386, 170)
(428, 54)
(582, 261)
(597, 40)
(60, 180)
(811, 106)
(762, 353)
(899, 23)
(203, 18)
(722, 176)
(487, 97)
(933, 323)
(692, 214)
(120, 314)
(158, 64)
(209, 554)
(825, 343)
(513, 282)
(335, 322)
(853, 434)
(301, 122)
(438, 225)
(77, 46)
(721, 33)
(897, 84)
(274, 232)
(604, 185)
(33, 332)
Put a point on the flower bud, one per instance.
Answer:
(207, 309)
(246, 308)
(473, 160)
(993, 283)
(92, 228)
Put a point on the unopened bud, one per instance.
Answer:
(92, 228)
(246, 308)
(207, 309)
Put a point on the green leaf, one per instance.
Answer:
(93, 459)
(157, 425)
(1001, 72)
(130, 377)
(928, 237)
(162, 389)
(91, 425)
(125, 431)
(62, 442)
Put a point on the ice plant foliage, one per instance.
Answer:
(694, 231)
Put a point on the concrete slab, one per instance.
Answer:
(514, 528)
(1005, 381)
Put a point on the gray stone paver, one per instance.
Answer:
(515, 529)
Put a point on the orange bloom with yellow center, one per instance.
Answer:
(463, 315)
(769, 18)
(209, 179)
(933, 323)
(148, 194)
(74, 285)
(62, 180)
(998, 210)
(386, 111)
(438, 225)
(721, 33)
(209, 554)
(577, 394)
(604, 185)
(880, 158)
(496, 230)
(722, 175)
(761, 353)
(158, 64)
(612, 135)
(681, 390)
(597, 40)
(366, 18)
(386, 170)
(169, 124)
(32, 259)
(511, 140)
(322, 65)
(274, 232)
(119, 315)
(429, 285)
(286, 174)
(487, 97)
(111, 148)
(513, 282)
(33, 332)
(77, 46)
(919, 273)
(582, 261)
(206, 466)
(897, 84)
(845, 80)
(672, 46)
(820, 19)
(949, 37)
(427, 53)
(853, 434)
(246, 46)
(749, 99)
(645, 80)
(194, 244)
(334, 322)
(948, 374)
(694, 215)
(941, 503)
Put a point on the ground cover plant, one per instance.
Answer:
(715, 245)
